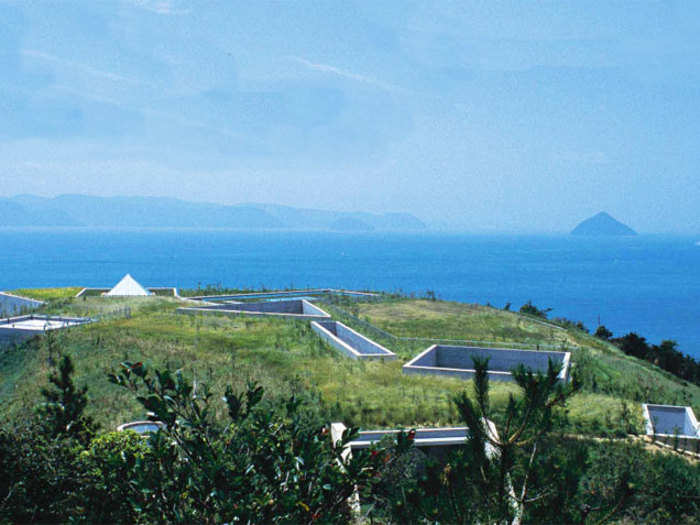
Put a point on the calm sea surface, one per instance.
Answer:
(649, 284)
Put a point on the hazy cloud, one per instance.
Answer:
(325, 68)
(41, 55)
(160, 7)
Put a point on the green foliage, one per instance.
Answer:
(489, 479)
(648, 488)
(41, 476)
(530, 309)
(665, 356)
(242, 453)
(111, 464)
(603, 333)
(271, 463)
(62, 411)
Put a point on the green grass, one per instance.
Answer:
(449, 320)
(605, 368)
(48, 294)
(285, 356)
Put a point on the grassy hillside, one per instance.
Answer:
(604, 367)
(286, 356)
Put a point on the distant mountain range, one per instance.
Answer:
(602, 224)
(160, 212)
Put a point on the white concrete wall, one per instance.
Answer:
(14, 304)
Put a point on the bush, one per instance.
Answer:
(530, 309)
(111, 464)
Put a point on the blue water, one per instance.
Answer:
(648, 284)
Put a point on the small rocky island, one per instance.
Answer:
(602, 224)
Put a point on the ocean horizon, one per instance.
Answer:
(649, 284)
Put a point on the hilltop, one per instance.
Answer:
(284, 355)
(602, 224)
(160, 212)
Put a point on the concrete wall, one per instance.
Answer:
(287, 293)
(691, 444)
(275, 307)
(12, 332)
(14, 304)
(350, 342)
(458, 361)
(298, 308)
(671, 420)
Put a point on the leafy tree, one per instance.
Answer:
(530, 309)
(603, 333)
(111, 463)
(39, 459)
(271, 463)
(41, 477)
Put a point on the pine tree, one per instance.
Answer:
(64, 405)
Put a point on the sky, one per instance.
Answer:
(480, 116)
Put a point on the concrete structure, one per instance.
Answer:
(293, 309)
(11, 304)
(286, 294)
(434, 441)
(128, 287)
(16, 330)
(426, 438)
(141, 427)
(458, 361)
(348, 341)
(672, 425)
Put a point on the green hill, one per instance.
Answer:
(286, 356)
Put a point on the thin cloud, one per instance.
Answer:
(325, 68)
(182, 121)
(160, 7)
(33, 53)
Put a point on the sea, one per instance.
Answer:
(649, 284)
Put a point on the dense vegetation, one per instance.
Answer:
(271, 461)
(235, 388)
(664, 355)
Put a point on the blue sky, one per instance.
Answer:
(506, 116)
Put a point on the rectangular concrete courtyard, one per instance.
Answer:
(672, 425)
(291, 309)
(458, 361)
(350, 342)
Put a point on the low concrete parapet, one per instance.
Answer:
(458, 361)
(350, 342)
(434, 441)
(292, 309)
(288, 294)
(16, 330)
(672, 425)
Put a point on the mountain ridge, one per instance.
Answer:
(76, 210)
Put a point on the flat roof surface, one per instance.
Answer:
(41, 324)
